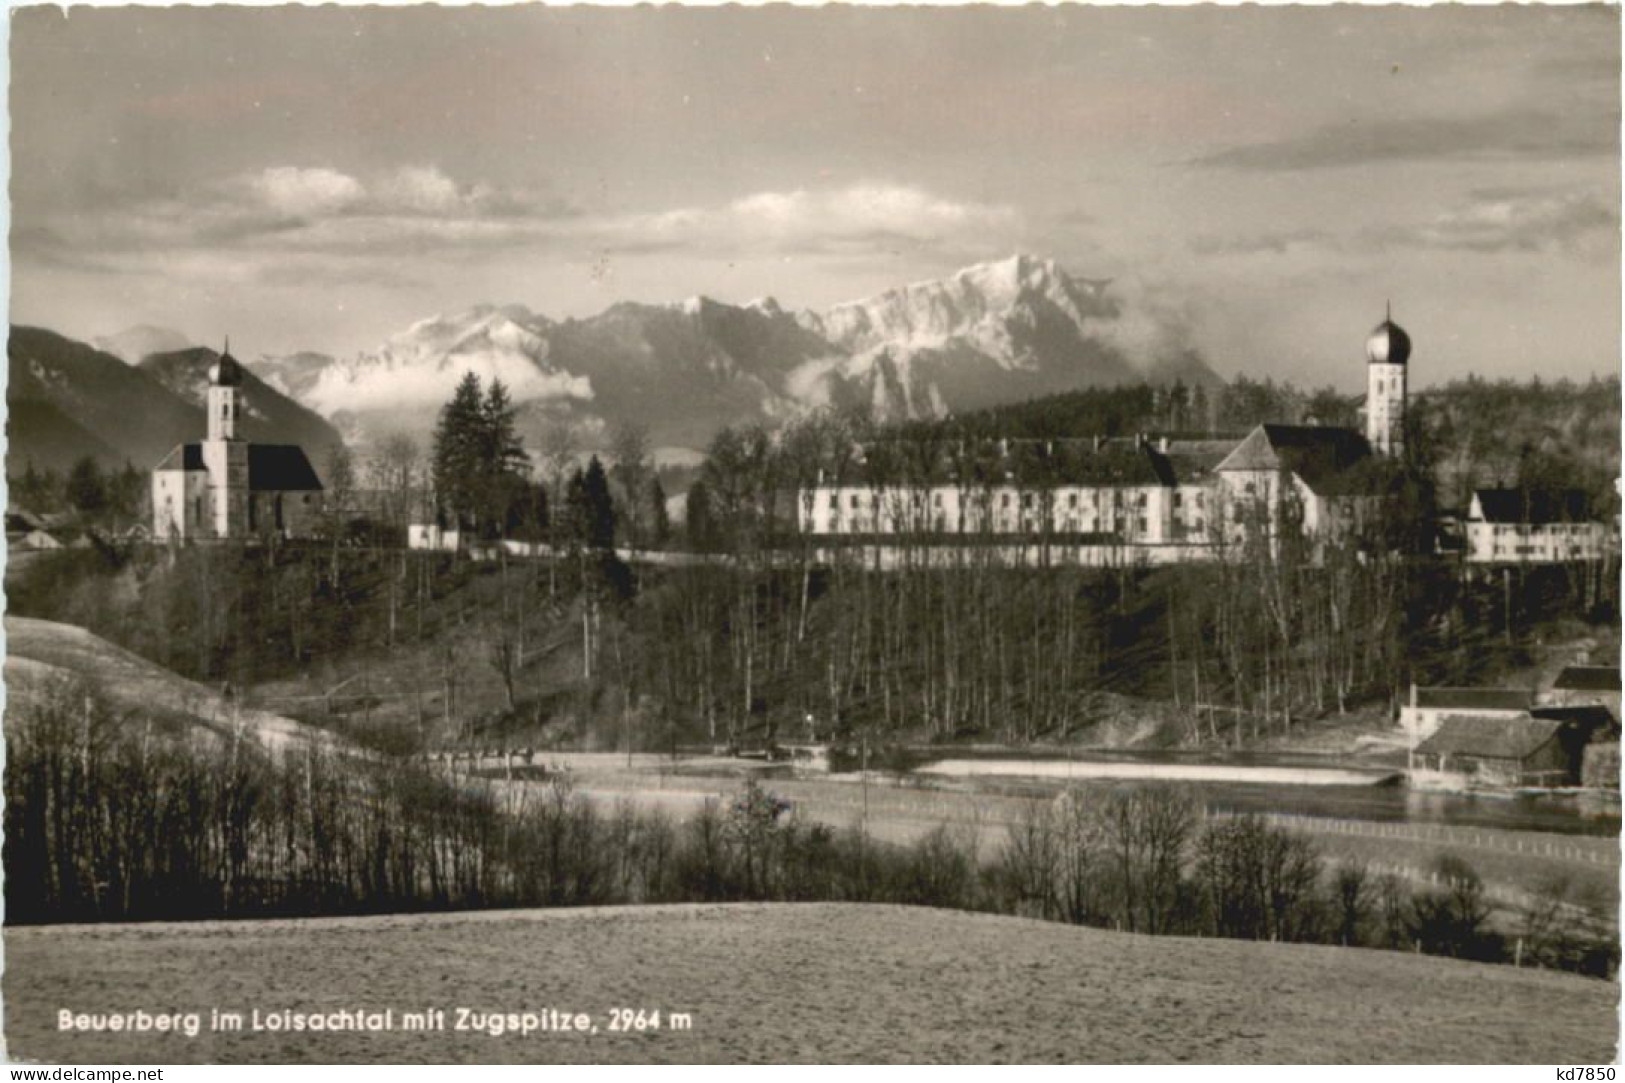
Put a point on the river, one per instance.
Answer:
(1321, 788)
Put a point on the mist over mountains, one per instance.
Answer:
(991, 333)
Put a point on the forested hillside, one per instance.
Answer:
(1471, 433)
(769, 635)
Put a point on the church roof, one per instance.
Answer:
(1326, 458)
(280, 467)
(271, 467)
(227, 371)
(184, 457)
(1388, 344)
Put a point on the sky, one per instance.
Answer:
(1258, 181)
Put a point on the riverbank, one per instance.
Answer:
(1093, 770)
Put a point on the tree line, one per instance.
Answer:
(97, 497)
(113, 818)
(481, 479)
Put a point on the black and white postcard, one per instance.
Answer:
(813, 534)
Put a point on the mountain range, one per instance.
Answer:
(989, 334)
(992, 333)
(66, 399)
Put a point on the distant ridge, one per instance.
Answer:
(67, 399)
(989, 334)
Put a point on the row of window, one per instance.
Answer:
(1502, 529)
(855, 501)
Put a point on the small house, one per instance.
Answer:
(1421, 716)
(1497, 752)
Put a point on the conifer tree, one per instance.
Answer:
(457, 440)
(600, 507)
(659, 518)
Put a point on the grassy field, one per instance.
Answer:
(791, 983)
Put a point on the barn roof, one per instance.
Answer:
(273, 467)
(1480, 699)
(1490, 738)
(1586, 718)
(1328, 459)
(1534, 506)
(1588, 679)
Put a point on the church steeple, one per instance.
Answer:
(1388, 354)
(225, 391)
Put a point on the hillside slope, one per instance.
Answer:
(53, 378)
(796, 983)
(39, 433)
(68, 400)
(39, 652)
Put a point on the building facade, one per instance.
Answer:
(224, 488)
(1165, 499)
(1512, 526)
(1429, 707)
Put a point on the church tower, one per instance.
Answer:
(225, 457)
(1388, 352)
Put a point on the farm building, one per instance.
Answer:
(1511, 526)
(1582, 726)
(1522, 751)
(1428, 706)
(1582, 685)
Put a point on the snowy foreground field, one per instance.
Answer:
(762, 982)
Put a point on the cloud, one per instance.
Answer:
(809, 222)
(301, 193)
(1506, 220)
(1271, 242)
(1513, 134)
(280, 218)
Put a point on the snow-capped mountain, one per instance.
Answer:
(992, 333)
(987, 306)
(294, 374)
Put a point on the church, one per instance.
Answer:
(226, 489)
(1144, 500)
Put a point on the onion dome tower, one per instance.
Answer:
(225, 456)
(224, 395)
(1388, 354)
